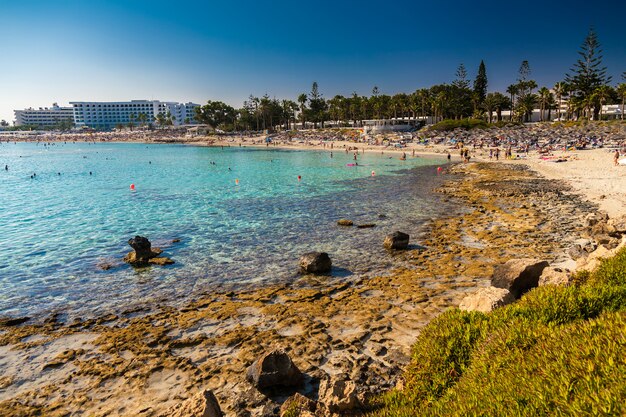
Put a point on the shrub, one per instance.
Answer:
(557, 351)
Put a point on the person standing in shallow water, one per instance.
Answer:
(616, 157)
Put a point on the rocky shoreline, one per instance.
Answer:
(352, 333)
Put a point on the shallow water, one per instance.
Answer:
(55, 229)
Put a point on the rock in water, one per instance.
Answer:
(338, 395)
(486, 299)
(396, 240)
(518, 275)
(315, 263)
(274, 369)
(142, 247)
(144, 254)
(203, 404)
(345, 222)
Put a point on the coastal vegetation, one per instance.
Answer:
(580, 95)
(558, 351)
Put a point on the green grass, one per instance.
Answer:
(559, 351)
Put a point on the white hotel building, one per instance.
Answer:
(108, 115)
(44, 117)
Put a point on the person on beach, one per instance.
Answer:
(616, 157)
(449, 157)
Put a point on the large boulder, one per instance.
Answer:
(555, 276)
(581, 247)
(315, 263)
(518, 275)
(338, 395)
(487, 299)
(396, 240)
(619, 224)
(297, 405)
(203, 404)
(142, 247)
(345, 222)
(274, 369)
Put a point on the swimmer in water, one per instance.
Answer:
(89, 172)
(6, 167)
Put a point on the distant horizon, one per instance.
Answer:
(148, 50)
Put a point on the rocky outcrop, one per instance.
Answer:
(581, 247)
(338, 395)
(619, 224)
(396, 240)
(274, 369)
(555, 276)
(518, 275)
(297, 405)
(345, 222)
(203, 404)
(143, 253)
(487, 299)
(315, 263)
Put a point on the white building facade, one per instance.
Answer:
(44, 117)
(109, 115)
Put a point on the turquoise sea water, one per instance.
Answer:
(56, 229)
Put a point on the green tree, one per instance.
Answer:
(216, 114)
(601, 95)
(544, 101)
(317, 106)
(131, 121)
(512, 90)
(4, 123)
(559, 91)
(480, 83)
(461, 77)
(588, 74)
(160, 119)
(142, 118)
(302, 99)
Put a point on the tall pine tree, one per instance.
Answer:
(588, 74)
(480, 83)
(461, 77)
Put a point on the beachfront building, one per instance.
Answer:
(392, 125)
(109, 115)
(45, 117)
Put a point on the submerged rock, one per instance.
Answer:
(518, 275)
(396, 240)
(12, 321)
(345, 222)
(274, 369)
(366, 226)
(487, 299)
(315, 263)
(203, 404)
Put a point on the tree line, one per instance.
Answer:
(584, 89)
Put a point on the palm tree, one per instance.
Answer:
(302, 99)
(513, 90)
(558, 91)
(602, 93)
(544, 98)
(621, 91)
(132, 117)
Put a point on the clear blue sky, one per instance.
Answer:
(67, 50)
